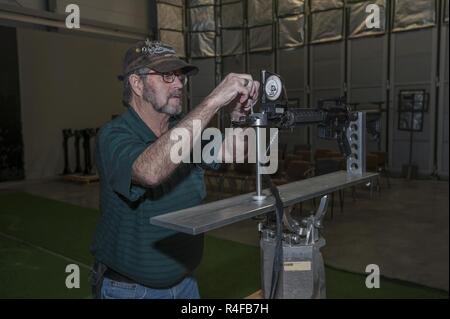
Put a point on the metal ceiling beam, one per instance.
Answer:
(22, 15)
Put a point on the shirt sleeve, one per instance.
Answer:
(118, 149)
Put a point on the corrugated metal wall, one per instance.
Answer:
(30, 4)
(413, 68)
(132, 13)
(367, 78)
(323, 49)
(443, 116)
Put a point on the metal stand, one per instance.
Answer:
(303, 270)
(259, 151)
(67, 134)
(294, 252)
(78, 136)
(87, 135)
(303, 274)
(356, 134)
(410, 171)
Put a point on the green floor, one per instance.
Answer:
(40, 237)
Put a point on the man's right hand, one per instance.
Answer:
(235, 87)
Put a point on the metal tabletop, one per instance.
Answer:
(203, 218)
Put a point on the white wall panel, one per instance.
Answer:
(66, 82)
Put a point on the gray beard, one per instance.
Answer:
(149, 96)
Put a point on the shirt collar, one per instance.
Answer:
(139, 126)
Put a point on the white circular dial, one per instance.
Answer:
(273, 87)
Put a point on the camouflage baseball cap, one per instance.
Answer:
(156, 56)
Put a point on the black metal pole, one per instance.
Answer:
(67, 134)
(77, 151)
(87, 135)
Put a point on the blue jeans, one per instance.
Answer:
(186, 289)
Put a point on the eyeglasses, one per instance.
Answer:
(170, 77)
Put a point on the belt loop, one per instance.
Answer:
(96, 278)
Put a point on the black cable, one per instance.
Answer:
(278, 253)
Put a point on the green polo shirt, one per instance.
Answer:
(124, 239)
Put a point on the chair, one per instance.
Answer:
(329, 165)
(372, 166)
(281, 171)
(321, 153)
(302, 147)
(333, 154)
(282, 150)
(304, 155)
(292, 157)
(245, 173)
(244, 168)
(298, 170)
(382, 165)
(214, 180)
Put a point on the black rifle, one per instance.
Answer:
(332, 116)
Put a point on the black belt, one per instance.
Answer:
(114, 275)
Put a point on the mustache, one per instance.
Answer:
(176, 94)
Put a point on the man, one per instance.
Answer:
(138, 180)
